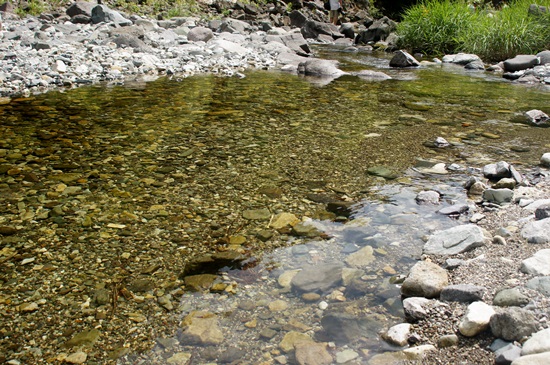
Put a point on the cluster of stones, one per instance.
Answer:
(511, 317)
(528, 69)
(92, 43)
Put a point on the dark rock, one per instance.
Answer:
(340, 208)
(403, 59)
(378, 31)
(7, 230)
(297, 19)
(513, 324)
(101, 13)
(496, 171)
(520, 62)
(507, 354)
(463, 293)
(347, 30)
(80, 8)
(537, 10)
(542, 212)
(213, 263)
(81, 19)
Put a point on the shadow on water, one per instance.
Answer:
(171, 166)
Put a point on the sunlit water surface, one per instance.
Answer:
(220, 140)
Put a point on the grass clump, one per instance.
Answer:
(434, 27)
(508, 32)
(443, 27)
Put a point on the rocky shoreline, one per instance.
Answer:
(91, 43)
(489, 280)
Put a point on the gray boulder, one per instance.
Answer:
(538, 343)
(371, 75)
(296, 42)
(537, 232)
(403, 59)
(297, 19)
(102, 14)
(345, 328)
(496, 171)
(378, 31)
(544, 57)
(498, 196)
(454, 240)
(200, 34)
(416, 308)
(542, 212)
(234, 26)
(513, 324)
(319, 67)
(80, 8)
(538, 264)
(319, 278)
(475, 65)
(540, 284)
(130, 41)
(520, 62)
(313, 29)
(463, 293)
(461, 58)
(425, 279)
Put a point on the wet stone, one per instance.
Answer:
(268, 333)
(141, 285)
(201, 328)
(257, 214)
(7, 231)
(317, 278)
(303, 229)
(85, 338)
(309, 353)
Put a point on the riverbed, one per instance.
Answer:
(109, 192)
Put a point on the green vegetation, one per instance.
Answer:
(440, 27)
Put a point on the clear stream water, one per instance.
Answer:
(221, 140)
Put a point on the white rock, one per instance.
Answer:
(416, 307)
(345, 356)
(545, 160)
(418, 352)
(539, 342)
(536, 359)
(77, 358)
(476, 319)
(398, 334)
(538, 264)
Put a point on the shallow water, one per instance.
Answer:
(176, 162)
